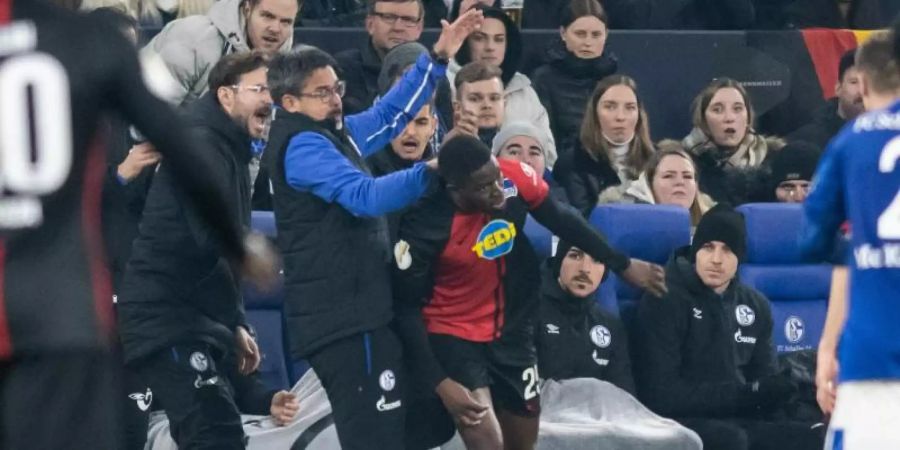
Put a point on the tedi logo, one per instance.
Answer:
(495, 239)
(741, 339)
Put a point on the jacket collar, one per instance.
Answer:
(207, 112)
(590, 69)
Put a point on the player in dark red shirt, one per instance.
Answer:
(59, 73)
(467, 274)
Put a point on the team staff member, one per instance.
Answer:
(465, 264)
(333, 237)
(180, 311)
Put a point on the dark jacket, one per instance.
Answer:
(862, 14)
(564, 85)
(824, 126)
(360, 68)
(584, 178)
(178, 287)
(332, 13)
(435, 10)
(577, 339)
(696, 351)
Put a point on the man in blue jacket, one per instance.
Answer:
(333, 236)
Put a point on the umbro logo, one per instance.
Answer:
(552, 329)
(698, 313)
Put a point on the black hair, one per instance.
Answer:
(577, 9)
(512, 58)
(847, 61)
(228, 71)
(460, 157)
(115, 18)
(370, 9)
(289, 71)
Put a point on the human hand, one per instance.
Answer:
(454, 34)
(261, 265)
(465, 122)
(826, 379)
(247, 351)
(465, 410)
(284, 407)
(139, 157)
(647, 276)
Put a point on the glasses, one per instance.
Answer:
(391, 19)
(255, 88)
(325, 94)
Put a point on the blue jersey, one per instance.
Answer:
(858, 180)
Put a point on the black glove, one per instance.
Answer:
(770, 390)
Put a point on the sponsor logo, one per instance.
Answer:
(199, 361)
(200, 382)
(387, 381)
(698, 313)
(601, 336)
(402, 255)
(793, 329)
(143, 400)
(600, 361)
(745, 315)
(509, 188)
(741, 339)
(382, 404)
(552, 329)
(495, 239)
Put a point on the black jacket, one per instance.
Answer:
(564, 85)
(178, 286)
(577, 339)
(824, 126)
(360, 68)
(697, 351)
(862, 14)
(332, 13)
(584, 178)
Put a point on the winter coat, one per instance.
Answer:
(696, 351)
(639, 191)
(360, 68)
(824, 126)
(739, 178)
(190, 47)
(584, 178)
(565, 84)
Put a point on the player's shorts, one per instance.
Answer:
(865, 416)
(513, 388)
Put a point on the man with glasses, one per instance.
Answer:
(389, 23)
(180, 312)
(333, 236)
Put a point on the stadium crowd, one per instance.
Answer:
(401, 177)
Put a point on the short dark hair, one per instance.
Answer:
(370, 8)
(289, 71)
(847, 61)
(876, 58)
(577, 9)
(474, 72)
(460, 157)
(228, 71)
(115, 18)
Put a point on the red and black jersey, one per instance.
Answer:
(60, 72)
(476, 276)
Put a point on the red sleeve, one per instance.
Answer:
(530, 186)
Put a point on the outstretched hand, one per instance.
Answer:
(454, 34)
(647, 276)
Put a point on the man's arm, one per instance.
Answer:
(827, 364)
(824, 209)
(313, 164)
(763, 362)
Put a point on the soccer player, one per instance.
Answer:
(464, 264)
(59, 72)
(858, 180)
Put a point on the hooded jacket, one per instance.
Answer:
(178, 286)
(696, 351)
(522, 102)
(739, 178)
(564, 84)
(577, 339)
(191, 47)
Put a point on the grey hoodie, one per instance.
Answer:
(190, 47)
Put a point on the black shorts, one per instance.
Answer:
(513, 388)
(363, 375)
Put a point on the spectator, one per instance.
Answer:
(192, 46)
(575, 337)
(333, 13)
(670, 179)
(573, 70)
(704, 351)
(792, 172)
(389, 23)
(479, 108)
(846, 105)
(614, 145)
(499, 43)
(525, 142)
(729, 153)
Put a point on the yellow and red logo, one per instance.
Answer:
(495, 239)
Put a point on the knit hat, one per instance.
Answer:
(396, 61)
(721, 223)
(519, 128)
(796, 161)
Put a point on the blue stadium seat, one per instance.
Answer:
(540, 237)
(648, 232)
(798, 292)
(264, 314)
(263, 222)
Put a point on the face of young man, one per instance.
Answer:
(792, 191)
(525, 149)
(269, 23)
(849, 94)
(483, 99)
(411, 143)
(716, 265)
(394, 23)
(248, 102)
(482, 191)
(320, 98)
(488, 44)
(580, 274)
